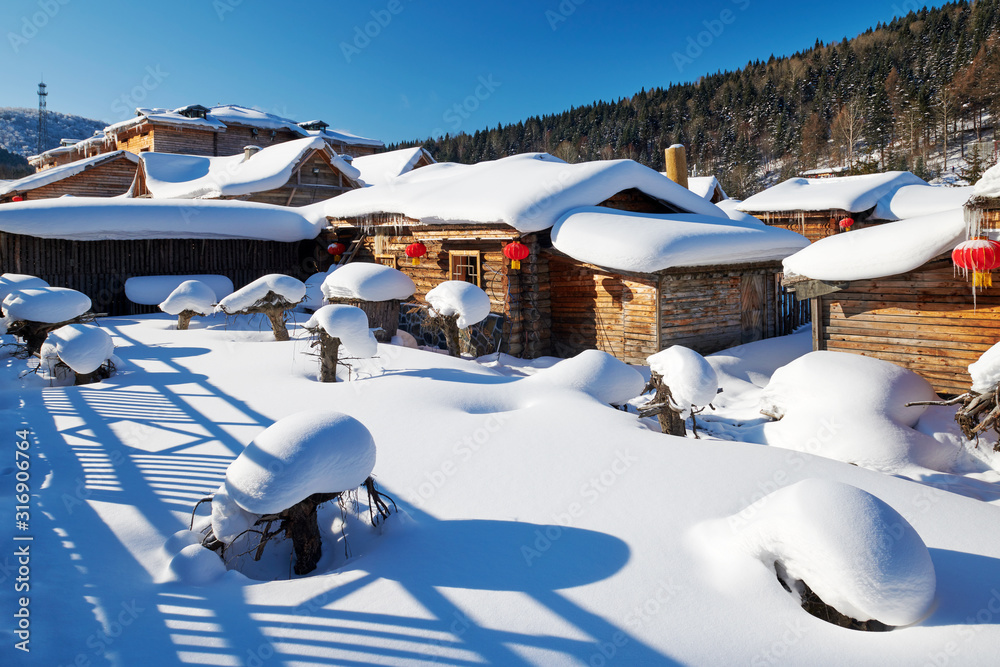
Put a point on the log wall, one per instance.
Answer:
(598, 309)
(521, 296)
(99, 269)
(924, 320)
(814, 225)
(104, 180)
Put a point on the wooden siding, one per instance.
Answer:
(99, 269)
(923, 320)
(593, 308)
(814, 225)
(109, 179)
(522, 296)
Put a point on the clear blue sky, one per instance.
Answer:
(393, 69)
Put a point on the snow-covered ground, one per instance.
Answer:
(536, 524)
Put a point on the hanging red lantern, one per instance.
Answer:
(415, 251)
(336, 249)
(17, 198)
(515, 252)
(846, 223)
(980, 255)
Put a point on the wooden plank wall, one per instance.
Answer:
(105, 180)
(99, 269)
(597, 309)
(521, 296)
(811, 224)
(924, 320)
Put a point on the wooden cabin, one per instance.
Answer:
(814, 207)
(198, 130)
(107, 175)
(314, 173)
(380, 168)
(894, 294)
(94, 246)
(555, 304)
(707, 187)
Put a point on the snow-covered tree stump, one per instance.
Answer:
(85, 349)
(455, 305)
(339, 325)
(272, 296)
(32, 313)
(190, 298)
(285, 474)
(663, 407)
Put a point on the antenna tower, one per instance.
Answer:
(43, 130)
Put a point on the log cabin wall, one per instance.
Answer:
(99, 269)
(306, 187)
(924, 320)
(520, 296)
(109, 179)
(814, 225)
(594, 308)
(716, 308)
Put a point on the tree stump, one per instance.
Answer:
(449, 325)
(301, 526)
(329, 353)
(184, 318)
(662, 405)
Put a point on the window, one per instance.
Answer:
(386, 260)
(465, 265)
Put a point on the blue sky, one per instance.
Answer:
(393, 69)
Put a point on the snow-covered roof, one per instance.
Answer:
(911, 201)
(177, 176)
(882, 250)
(528, 192)
(848, 193)
(49, 176)
(988, 187)
(824, 170)
(107, 218)
(217, 118)
(704, 186)
(646, 243)
(380, 168)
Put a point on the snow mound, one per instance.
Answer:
(10, 282)
(646, 243)
(196, 565)
(457, 296)
(985, 371)
(596, 373)
(368, 282)
(181, 539)
(314, 290)
(50, 305)
(692, 380)
(152, 290)
(852, 408)
(853, 550)
(316, 451)
(229, 520)
(884, 250)
(291, 289)
(82, 347)
(349, 324)
(192, 295)
(989, 185)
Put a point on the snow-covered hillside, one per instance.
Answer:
(19, 129)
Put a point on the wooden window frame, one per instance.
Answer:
(389, 260)
(476, 254)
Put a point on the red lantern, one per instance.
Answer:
(981, 255)
(336, 249)
(17, 198)
(846, 223)
(415, 251)
(515, 252)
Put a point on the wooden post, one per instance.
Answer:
(329, 352)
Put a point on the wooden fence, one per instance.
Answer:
(791, 313)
